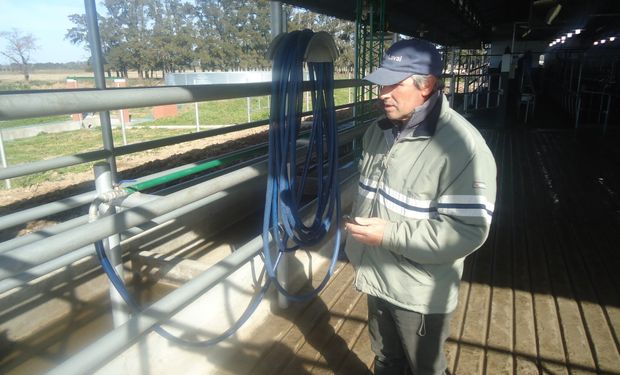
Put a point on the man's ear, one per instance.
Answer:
(427, 90)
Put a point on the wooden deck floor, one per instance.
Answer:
(540, 297)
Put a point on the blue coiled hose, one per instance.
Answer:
(282, 218)
(284, 194)
(135, 307)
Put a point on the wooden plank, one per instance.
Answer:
(471, 352)
(311, 352)
(458, 319)
(540, 298)
(285, 345)
(582, 347)
(600, 266)
(352, 328)
(578, 354)
(550, 347)
(525, 343)
(361, 358)
(500, 332)
(574, 186)
(267, 337)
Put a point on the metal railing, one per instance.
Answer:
(26, 258)
(54, 102)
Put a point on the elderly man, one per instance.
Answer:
(426, 197)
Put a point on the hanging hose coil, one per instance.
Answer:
(285, 191)
(282, 216)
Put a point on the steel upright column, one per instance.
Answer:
(369, 40)
(278, 26)
(112, 244)
(95, 50)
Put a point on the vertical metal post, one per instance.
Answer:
(112, 245)
(197, 117)
(282, 271)
(350, 99)
(249, 105)
(607, 114)
(124, 134)
(514, 32)
(499, 90)
(7, 182)
(453, 86)
(488, 80)
(97, 61)
(578, 95)
(278, 23)
(466, 87)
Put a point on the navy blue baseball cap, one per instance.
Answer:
(406, 58)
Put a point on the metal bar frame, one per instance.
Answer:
(41, 104)
(20, 259)
(122, 337)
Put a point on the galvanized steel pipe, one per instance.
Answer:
(22, 258)
(114, 342)
(18, 105)
(25, 257)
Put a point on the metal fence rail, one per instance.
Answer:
(66, 161)
(29, 257)
(26, 104)
(122, 337)
(19, 260)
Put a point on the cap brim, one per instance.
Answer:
(386, 77)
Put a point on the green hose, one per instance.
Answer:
(145, 185)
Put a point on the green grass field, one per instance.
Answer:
(52, 145)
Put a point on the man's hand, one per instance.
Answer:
(369, 231)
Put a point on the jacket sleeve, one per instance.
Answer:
(461, 225)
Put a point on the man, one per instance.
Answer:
(426, 194)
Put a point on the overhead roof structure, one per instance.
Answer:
(469, 23)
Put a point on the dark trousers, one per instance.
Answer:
(406, 342)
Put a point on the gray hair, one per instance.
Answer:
(420, 81)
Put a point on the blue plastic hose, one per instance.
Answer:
(282, 218)
(135, 307)
(284, 195)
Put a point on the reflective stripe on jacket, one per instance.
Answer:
(436, 188)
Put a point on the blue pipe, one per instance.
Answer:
(118, 284)
(283, 197)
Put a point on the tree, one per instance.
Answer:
(233, 34)
(173, 42)
(19, 48)
(110, 40)
(174, 35)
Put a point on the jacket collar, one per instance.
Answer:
(422, 123)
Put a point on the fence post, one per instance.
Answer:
(97, 63)
(122, 112)
(7, 182)
(197, 117)
(112, 244)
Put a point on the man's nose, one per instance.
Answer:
(384, 92)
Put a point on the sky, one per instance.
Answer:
(48, 22)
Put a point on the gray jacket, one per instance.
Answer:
(435, 184)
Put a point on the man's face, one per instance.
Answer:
(399, 100)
